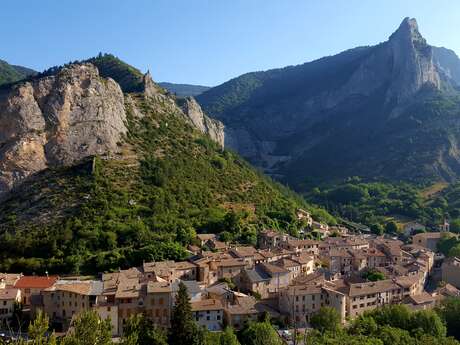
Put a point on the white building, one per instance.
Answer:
(209, 313)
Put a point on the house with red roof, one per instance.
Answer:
(33, 285)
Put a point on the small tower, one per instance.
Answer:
(445, 227)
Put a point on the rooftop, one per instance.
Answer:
(207, 304)
(371, 287)
(242, 252)
(35, 282)
(272, 269)
(9, 294)
(89, 287)
(205, 237)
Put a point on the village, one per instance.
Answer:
(287, 278)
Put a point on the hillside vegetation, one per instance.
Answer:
(168, 183)
(11, 73)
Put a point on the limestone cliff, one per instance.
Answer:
(58, 120)
(198, 119)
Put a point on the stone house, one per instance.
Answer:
(242, 311)
(428, 240)
(451, 271)
(9, 297)
(33, 285)
(209, 313)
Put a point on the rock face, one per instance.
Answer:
(198, 119)
(328, 115)
(150, 89)
(58, 120)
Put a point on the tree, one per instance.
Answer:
(141, 331)
(364, 325)
(394, 336)
(449, 311)
(373, 275)
(327, 319)
(446, 243)
(455, 225)
(391, 227)
(38, 328)
(260, 333)
(184, 330)
(89, 329)
(377, 229)
(228, 337)
(398, 316)
(454, 251)
(428, 322)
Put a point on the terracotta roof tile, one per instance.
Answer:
(35, 282)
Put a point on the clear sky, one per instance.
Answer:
(210, 41)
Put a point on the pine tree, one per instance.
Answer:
(228, 337)
(89, 329)
(38, 328)
(141, 331)
(184, 330)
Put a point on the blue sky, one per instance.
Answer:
(210, 41)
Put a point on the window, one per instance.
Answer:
(161, 301)
(109, 309)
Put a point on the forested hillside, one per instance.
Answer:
(167, 182)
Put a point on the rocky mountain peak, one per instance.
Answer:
(412, 61)
(150, 89)
(408, 31)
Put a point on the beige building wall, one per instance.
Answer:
(158, 308)
(451, 273)
(109, 312)
(212, 320)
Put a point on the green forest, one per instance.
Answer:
(380, 205)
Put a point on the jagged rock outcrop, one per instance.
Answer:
(348, 114)
(198, 119)
(150, 89)
(402, 66)
(58, 120)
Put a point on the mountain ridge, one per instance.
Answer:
(184, 90)
(288, 119)
(13, 73)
